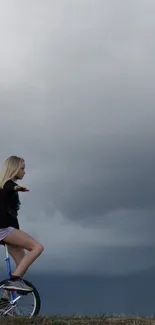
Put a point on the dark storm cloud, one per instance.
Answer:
(77, 102)
(104, 176)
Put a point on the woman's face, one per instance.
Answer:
(21, 171)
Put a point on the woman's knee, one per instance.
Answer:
(40, 247)
(37, 247)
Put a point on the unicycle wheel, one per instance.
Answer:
(26, 304)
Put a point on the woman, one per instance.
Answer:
(10, 234)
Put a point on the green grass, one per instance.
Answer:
(79, 320)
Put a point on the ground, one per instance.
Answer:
(104, 320)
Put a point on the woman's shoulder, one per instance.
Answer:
(9, 185)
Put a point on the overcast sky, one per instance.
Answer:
(77, 102)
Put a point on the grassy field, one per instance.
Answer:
(105, 320)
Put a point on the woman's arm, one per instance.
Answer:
(21, 188)
(11, 186)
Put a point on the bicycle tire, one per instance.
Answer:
(35, 293)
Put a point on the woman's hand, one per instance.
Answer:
(21, 188)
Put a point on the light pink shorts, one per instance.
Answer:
(5, 231)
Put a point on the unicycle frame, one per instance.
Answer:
(8, 263)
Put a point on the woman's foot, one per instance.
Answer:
(16, 283)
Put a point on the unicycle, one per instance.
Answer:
(20, 303)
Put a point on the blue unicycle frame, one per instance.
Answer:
(8, 263)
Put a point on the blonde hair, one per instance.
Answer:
(10, 169)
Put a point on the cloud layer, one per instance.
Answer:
(77, 101)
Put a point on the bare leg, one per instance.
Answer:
(20, 239)
(17, 253)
